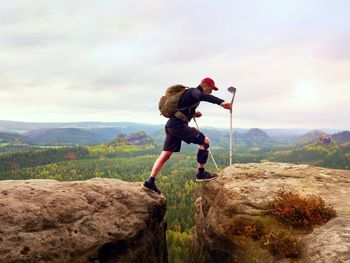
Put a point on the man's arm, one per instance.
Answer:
(201, 96)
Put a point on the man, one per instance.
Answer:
(177, 130)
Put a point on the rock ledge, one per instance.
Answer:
(244, 190)
(97, 220)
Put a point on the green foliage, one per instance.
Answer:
(326, 155)
(113, 150)
(179, 186)
(125, 168)
(17, 160)
(178, 245)
(10, 147)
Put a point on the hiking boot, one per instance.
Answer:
(205, 177)
(151, 186)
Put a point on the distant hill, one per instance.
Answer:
(217, 137)
(310, 137)
(7, 137)
(101, 132)
(73, 136)
(283, 133)
(105, 134)
(61, 136)
(159, 136)
(124, 127)
(258, 134)
(285, 136)
(137, 138)
(341, 137)
(244, 138)
(255, 137)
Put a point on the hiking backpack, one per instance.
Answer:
(168, 104)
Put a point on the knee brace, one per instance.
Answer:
(206, 146)
(202, 156)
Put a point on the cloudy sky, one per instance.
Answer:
(105, 60)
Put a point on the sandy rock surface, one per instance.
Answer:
(244, 191)
(97, 220)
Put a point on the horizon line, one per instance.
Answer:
(158, 124)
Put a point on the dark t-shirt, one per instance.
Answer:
(191, 97)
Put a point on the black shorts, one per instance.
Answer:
(174, 137)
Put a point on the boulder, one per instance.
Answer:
(242, 193)
(97, 220)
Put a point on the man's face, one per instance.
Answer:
(207, 88)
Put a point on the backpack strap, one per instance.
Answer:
(182, 116)
(188, 107)
(179, 114)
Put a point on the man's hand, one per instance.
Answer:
(197, 114)
(226, 105)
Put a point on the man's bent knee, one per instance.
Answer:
(205, 144)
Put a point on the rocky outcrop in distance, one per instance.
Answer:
(97, 220)
(231, 218)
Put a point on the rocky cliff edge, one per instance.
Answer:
(97, 220)
(233, 223)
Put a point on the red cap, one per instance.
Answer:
(210, 82)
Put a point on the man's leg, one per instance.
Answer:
(192, 135)
(150, 183)
(163, 157)
(202, 158)
(202, 155)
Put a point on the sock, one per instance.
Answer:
(200, 170)
(151, 179)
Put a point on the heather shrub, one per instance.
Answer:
(300, 211)
(290, 207)
(281, 245)
(245, 226)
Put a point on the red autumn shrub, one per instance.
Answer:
(245, 226)
(300, 211)
(281, 246)
(71, 156)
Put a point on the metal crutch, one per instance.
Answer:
(233, 91)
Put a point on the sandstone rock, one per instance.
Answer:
(98, 220)
(243, 191)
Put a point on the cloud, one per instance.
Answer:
(112, 60)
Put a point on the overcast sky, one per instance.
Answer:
(112, 60)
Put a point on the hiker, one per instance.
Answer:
(177, 130)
